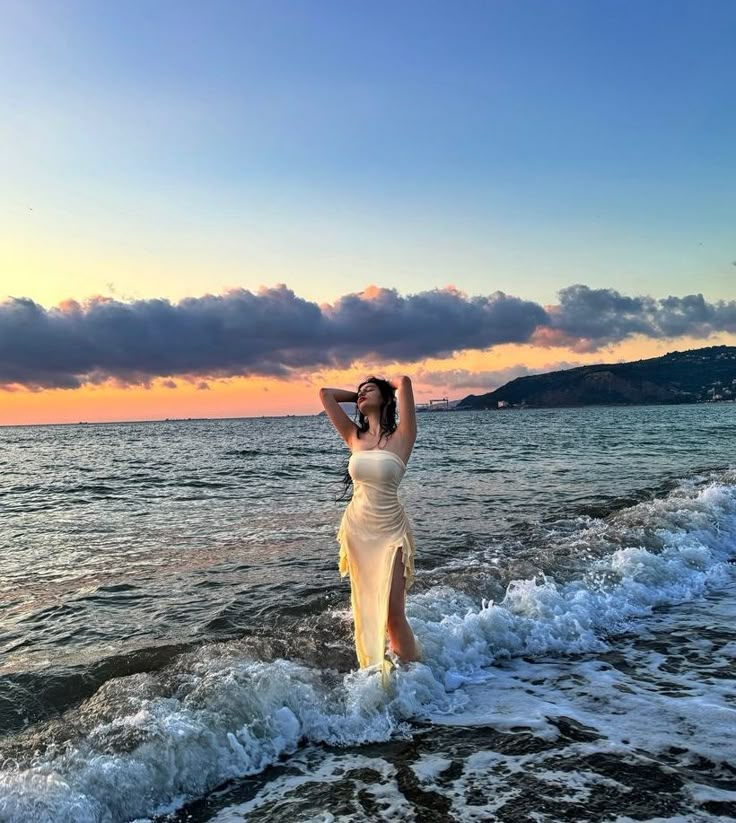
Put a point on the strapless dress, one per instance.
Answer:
(373, 528)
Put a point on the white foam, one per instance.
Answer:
(694, 530)
(428, 767)
(663, 703)
(311, 768)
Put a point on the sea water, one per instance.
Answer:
(176, 642)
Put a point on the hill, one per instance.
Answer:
(694, 376)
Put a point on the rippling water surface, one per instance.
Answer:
(176, 640)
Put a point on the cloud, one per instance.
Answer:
(486, 379)
(382, 324)
(270, 333)
(587, 319)
(275, 333)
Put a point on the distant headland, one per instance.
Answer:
(704, 375)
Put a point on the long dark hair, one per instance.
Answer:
(388, 425)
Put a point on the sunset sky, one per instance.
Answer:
(212, 209)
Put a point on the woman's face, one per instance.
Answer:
(369, 397)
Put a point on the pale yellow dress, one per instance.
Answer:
(373, 528)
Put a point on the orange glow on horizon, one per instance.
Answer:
(254, 396)
(235, 397)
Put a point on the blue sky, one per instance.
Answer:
(161, 148)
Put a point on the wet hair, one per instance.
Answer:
(387, 425)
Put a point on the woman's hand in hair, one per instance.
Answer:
(396, 382)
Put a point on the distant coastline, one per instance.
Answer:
(706, 375)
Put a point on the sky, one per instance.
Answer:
(213, 209)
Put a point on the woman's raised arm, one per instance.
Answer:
(407, 410)
(331, 399)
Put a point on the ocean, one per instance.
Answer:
(176, 642)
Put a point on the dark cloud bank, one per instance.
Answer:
(274, 332)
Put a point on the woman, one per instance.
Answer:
(376, 540)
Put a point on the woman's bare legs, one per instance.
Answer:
(399, 632)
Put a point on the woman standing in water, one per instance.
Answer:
(376, 540)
